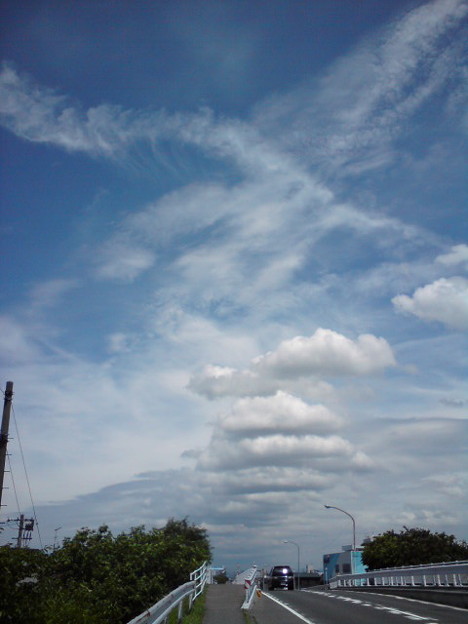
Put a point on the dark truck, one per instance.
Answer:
(280, 577)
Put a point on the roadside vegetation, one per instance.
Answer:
(98, 578)
(412, 547)
(195, 616)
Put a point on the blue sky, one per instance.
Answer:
(235, 267)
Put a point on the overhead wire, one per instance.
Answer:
(13, 483)
(27, 478)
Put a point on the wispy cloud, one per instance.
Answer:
(352, 115)
(360, 106)
(457, 255)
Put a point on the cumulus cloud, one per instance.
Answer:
(232, 245)
(281, 413)
(273, 450)
(324, 354)
(218, 381)
(445, 300)
(328, 353)
(282, 433)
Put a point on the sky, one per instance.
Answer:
(235, 257)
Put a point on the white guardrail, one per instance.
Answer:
(250, 586)
(158, 613)
(449, 574)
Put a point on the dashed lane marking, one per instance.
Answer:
(407, 614)
(424, 602)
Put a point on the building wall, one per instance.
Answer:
(344, 562)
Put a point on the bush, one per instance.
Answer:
(412, 547)
(96, 578)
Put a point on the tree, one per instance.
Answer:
(412, 547)
(20, 569)
(96, 577)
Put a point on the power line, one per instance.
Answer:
(13, 483)
(27, 478)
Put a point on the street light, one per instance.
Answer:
(348, 514)
(298, 558)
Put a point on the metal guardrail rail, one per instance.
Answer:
(159, 612)
(250, 586)
(199, 577)
(446, 574)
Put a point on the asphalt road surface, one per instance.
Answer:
(350, 607)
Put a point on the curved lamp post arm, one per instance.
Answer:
(348, 514)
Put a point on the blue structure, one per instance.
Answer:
(348, 561)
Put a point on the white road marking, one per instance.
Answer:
(424, 602)
(393, 610)
(288, 608)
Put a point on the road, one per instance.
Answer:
(350, 607)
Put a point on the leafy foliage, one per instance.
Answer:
(221, 579)
(96, 578)
(20, 569)
(412, 547)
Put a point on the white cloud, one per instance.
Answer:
(268, 479)
(228, 268)
(324, 354)
(284, 434)
(445, 300)
(328, 353)
(452, 485)
(118, 342)
(280, 413)
(360, 105)
(46, 294)
(18, 346)
(273, 450)
(457, 255)
(120, 261)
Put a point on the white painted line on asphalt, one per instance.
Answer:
(424, 602)
(288, 608)
(377, 607)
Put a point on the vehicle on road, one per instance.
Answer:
(280, 577)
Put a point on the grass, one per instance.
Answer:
(196, 614)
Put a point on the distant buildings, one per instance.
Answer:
(348, 561)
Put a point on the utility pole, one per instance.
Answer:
(25, 528)
(4, 433)
(19, 539)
